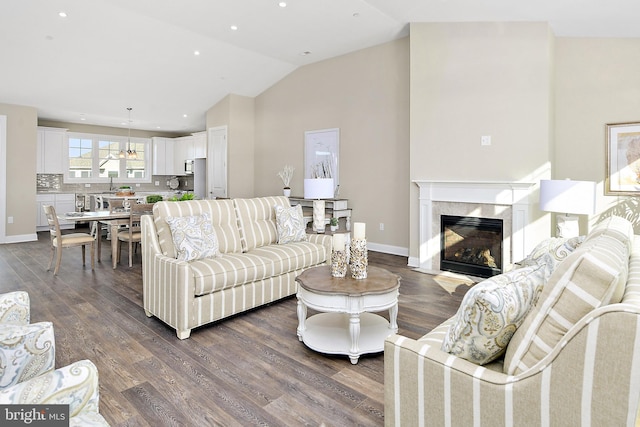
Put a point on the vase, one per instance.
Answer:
(287, 192)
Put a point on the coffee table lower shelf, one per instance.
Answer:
(330, 333)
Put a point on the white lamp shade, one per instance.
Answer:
(568, 196)
(318, 188)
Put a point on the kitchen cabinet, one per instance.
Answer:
(192, 147)
(165, 159)
(199, 145)
(51, 150)
(61, 202)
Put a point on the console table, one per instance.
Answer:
(334, 208)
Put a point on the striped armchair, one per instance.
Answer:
(588, 374)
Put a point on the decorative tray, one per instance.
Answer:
(74, 214)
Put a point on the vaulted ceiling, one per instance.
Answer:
(172, 60)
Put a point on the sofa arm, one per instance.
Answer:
(14, 308)
(26, 351)
(168, 287)
(75, 385)
(324, 240)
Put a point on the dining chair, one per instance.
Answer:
(133, 234)
(60, 241)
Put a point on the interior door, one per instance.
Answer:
(217, 162)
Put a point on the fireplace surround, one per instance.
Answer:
(512, 202)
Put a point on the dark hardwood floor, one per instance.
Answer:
(247, 370)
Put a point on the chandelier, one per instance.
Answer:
(129, 154)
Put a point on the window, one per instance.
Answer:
(96, 158)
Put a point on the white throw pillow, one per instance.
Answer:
(193, 236)
(490, 313)
(290, 224)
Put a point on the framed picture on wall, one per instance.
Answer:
(321, 153)
(623, 159)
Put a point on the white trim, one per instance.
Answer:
(545, 395)
(388, 249)
(588, 372)
(3, 179)
(21, 238)
(516, 195)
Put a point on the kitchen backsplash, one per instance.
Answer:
(54, 183)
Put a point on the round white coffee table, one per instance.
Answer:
(346, 323)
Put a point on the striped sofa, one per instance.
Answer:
(574, 360)
(251, 270)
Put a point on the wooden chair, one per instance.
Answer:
(60, 241)
(133, 233)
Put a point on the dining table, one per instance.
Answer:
(114, 219)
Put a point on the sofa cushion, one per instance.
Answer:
(593, 275)
(292, 256)
(490, 313)
(614, 226)
(290, 224)
(193, 236)
(257, 220)
(229, 270)
(223, 219)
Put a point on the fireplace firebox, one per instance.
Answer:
(471, 245)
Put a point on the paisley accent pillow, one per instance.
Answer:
(193, 236)
(290, 224)
(557, 247)
(490, 313)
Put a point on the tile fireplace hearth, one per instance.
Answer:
(510, 202)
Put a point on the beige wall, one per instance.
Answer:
(366, 95)
(238, 114)
(597, 83)
(22, 139)
(475, 79)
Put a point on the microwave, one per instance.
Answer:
(188, 167)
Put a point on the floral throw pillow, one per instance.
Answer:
(193, 236)
(490, 313)
(290, 224)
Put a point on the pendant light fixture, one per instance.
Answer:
(131, 154)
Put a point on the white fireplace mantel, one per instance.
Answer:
(515, 195)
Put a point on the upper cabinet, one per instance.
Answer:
(199, 145)
(50, 151)
(165, 161)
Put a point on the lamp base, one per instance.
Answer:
(567, 226)
(318, 216)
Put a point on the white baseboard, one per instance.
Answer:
(388, 249)
(21, 238)
(413, 262)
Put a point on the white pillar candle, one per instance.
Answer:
(359, 230)
(338, 242)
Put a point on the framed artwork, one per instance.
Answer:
(321, 153)
(623, 159)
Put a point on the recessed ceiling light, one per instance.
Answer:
(196, 52)
(282, 4)
(62, 14)
(185, 116)
(305, 53)
(234, 27)
(356, 15)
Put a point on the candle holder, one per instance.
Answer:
(359, 262)
(339, 263)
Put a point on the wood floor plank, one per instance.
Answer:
(247, 370)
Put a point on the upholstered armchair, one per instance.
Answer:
(26, 350)
(27, 362)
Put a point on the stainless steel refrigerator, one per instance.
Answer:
(200, 178)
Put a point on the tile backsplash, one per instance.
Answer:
(54, 183)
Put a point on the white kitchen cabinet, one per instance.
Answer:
(200, 145)
(184, 148)
(165, 160)
(51, 150)
(61, 202)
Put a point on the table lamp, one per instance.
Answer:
(568, 197)
(318, 189)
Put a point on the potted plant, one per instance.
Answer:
(285, 175)
(333, 222)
